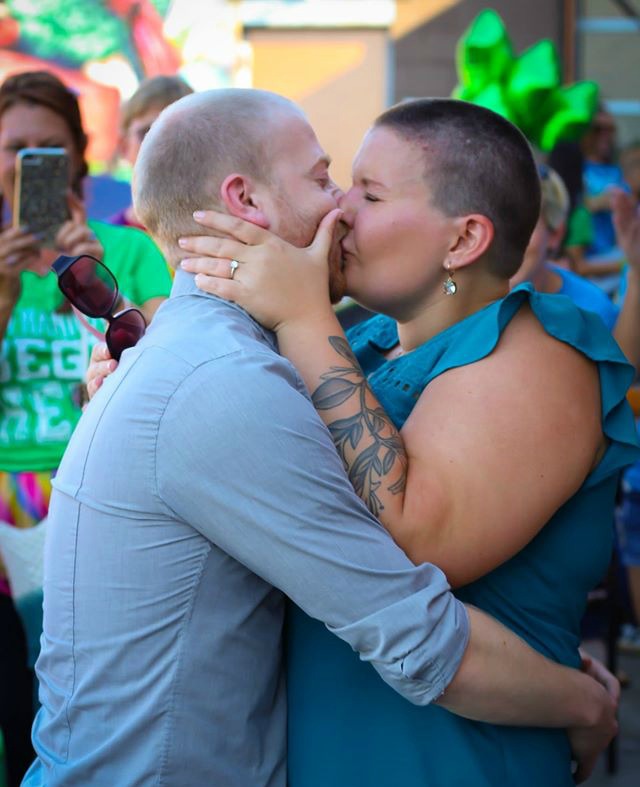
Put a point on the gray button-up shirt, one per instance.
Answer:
(198, 485)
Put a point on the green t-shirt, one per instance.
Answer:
(45, 351)
(580, 228)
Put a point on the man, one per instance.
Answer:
(199, 481)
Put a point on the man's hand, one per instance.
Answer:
(100, 367)
(588, 742)
(596, 670)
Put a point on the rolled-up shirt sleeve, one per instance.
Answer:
(243, 457)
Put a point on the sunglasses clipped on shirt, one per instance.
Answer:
(92, 289)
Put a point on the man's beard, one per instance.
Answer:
(337, 278)
(299, 228)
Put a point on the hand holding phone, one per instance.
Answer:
(18, 251)
(76, 237)
(40, 192)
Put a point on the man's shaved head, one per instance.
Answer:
(190, 149)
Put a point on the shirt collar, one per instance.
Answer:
(184, 284)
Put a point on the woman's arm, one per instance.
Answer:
(599, 203)
(490, 450)
(488, 454)
(18, 249)
(578, 264)
(9, 294)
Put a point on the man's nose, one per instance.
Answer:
(337, 193)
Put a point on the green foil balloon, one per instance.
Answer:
(525, 88)
(533, 79)
(484, 52)
(570, 113)
(494, 97)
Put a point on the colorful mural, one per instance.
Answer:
(103, 48)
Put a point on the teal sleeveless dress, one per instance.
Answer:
(349, 729)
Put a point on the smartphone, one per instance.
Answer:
(40, 192)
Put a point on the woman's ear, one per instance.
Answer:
(237, 193)
(475, 236)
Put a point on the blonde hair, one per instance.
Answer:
(554, 207)
(153, 93)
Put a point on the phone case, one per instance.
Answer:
(40, 193)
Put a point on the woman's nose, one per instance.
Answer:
(346, 206)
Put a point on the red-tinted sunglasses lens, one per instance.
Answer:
(125, 330)
(90, 287)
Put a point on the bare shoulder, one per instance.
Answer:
(529, 375)
(502, 443)
(555, 374)
(527, 369)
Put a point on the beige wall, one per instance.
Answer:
(425, 53)
(613, 61)
(411, 14)
(344, 78)
(339, 78)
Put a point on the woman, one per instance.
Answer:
(44, 348)
(481, 426)
(602, 178)
(543, 247)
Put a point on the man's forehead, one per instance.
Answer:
(297, 147)
(289, 122)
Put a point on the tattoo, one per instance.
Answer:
(369, 466)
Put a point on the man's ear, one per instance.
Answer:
(238, 195)
(474, 236)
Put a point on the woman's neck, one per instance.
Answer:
(473, 293)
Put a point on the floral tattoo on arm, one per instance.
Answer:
(383, 448)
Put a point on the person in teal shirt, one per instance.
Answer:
(486, 428)
(538, 266)
(45, 349)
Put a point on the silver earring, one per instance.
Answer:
(449, 286)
